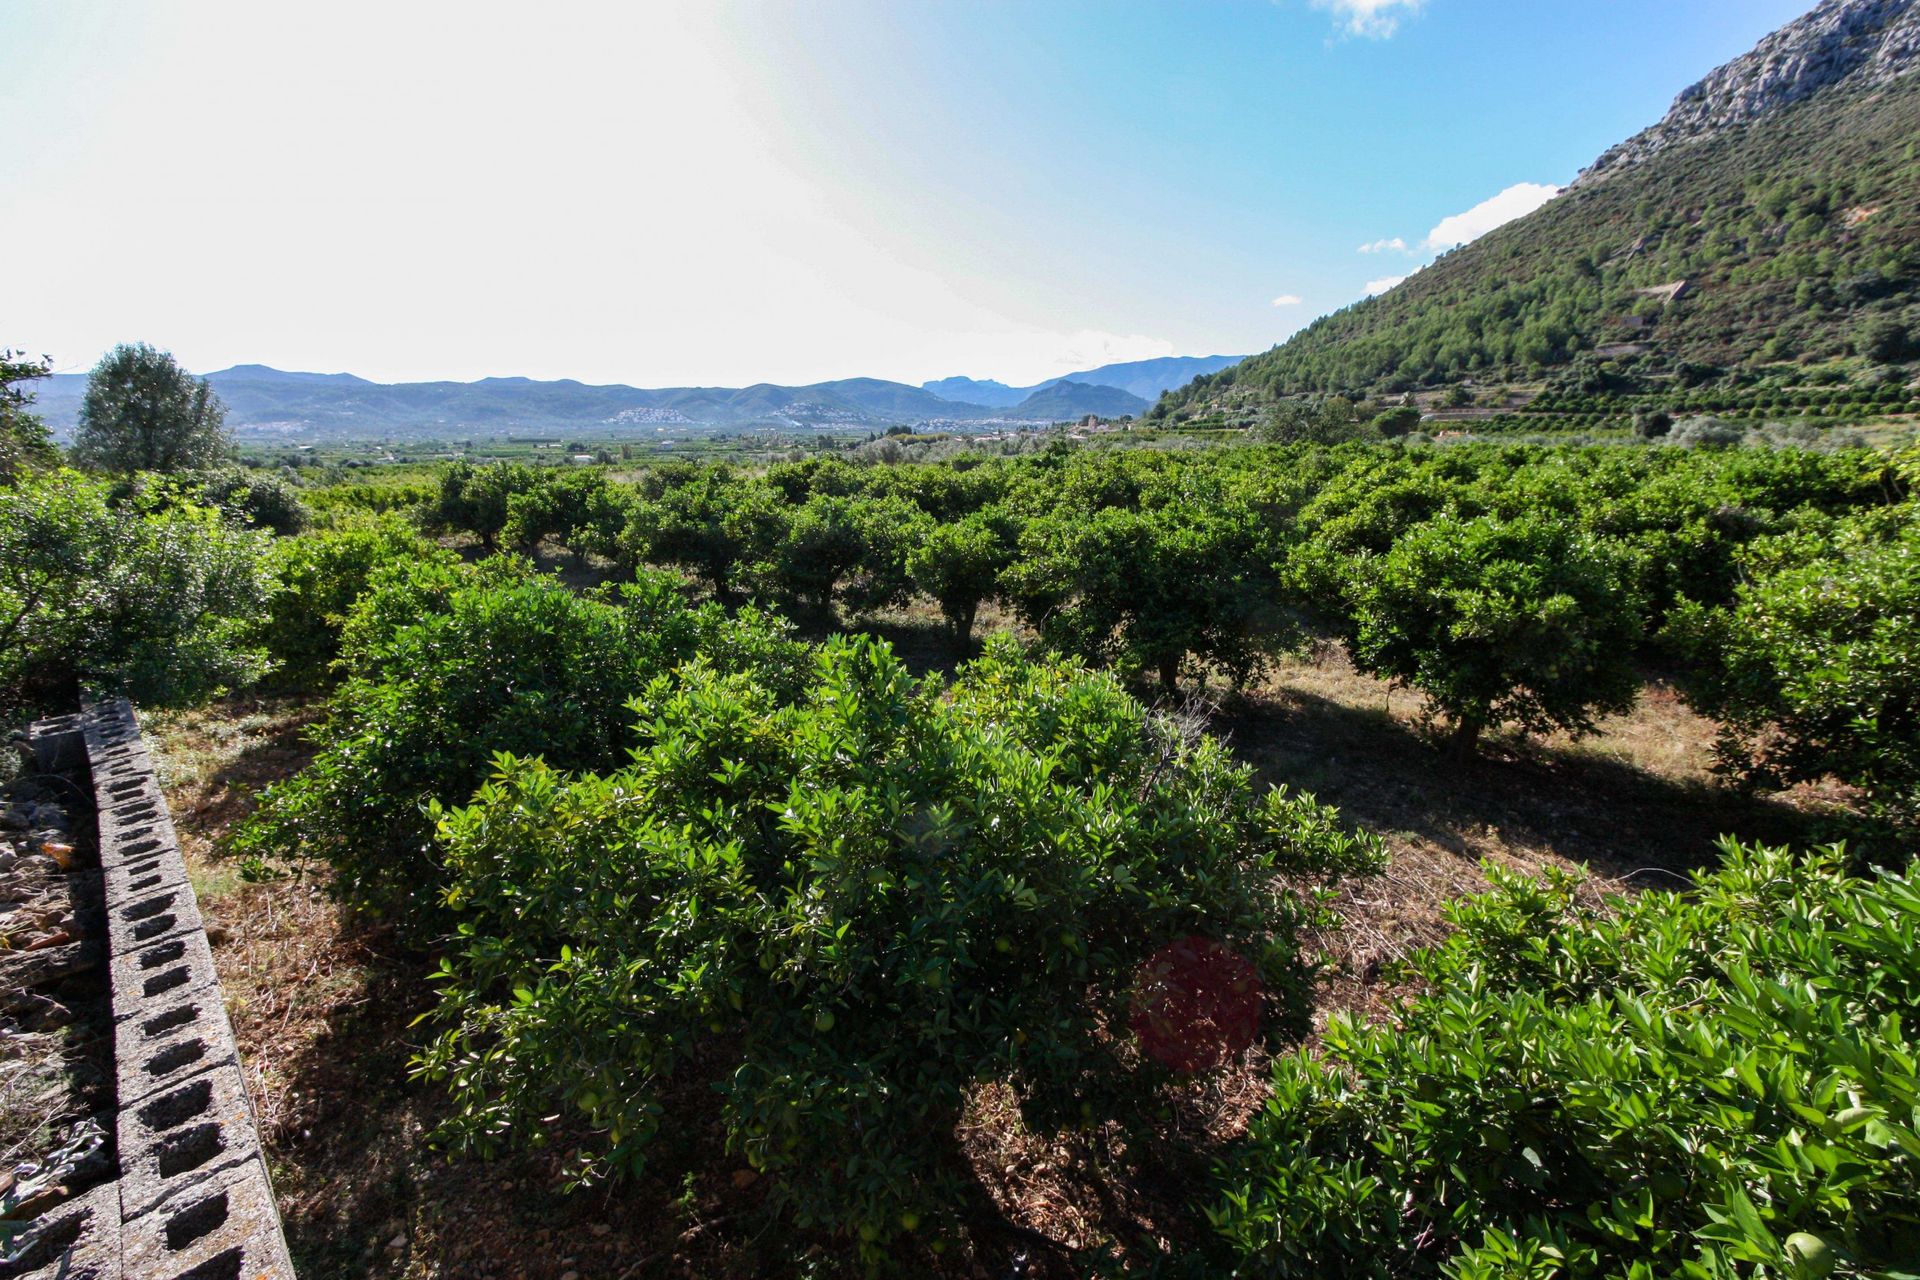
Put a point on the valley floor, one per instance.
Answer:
(322, 1005)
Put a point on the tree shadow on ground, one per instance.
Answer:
(1388, 776)
(924, 646)
(366, 1193)
(277, 747)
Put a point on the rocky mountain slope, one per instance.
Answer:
(1773, 217)
(1840, 44)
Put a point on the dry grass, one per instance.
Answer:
(1635, 805)
(322, 1009)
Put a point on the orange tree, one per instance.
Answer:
(1527, 621)
(866, 904)
(445, 666)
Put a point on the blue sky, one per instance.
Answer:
(680, 194)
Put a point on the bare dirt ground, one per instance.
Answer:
(323, 1005)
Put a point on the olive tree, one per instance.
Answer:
(24, 439)
(143, 412)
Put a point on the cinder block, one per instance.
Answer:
(180, 1137)
(128, 786)
(168, 969)
(226, 1225)
(169, 1041)
(57, 744)
(142, 874)
(115, 763)
(193, 1201)
(125, 818)
(166, 911)
(132, 825)
(79, 1240)
(135, 848)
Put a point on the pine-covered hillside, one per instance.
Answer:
(1773, 216)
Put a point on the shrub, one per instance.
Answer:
(468, 666)
(320, 577)
(1398, 421)
(1527, 621)
(144, 597)
(474, 499)
(1887, 340)
(25, 442)
(1651, 424)
(1706, 433)
(578, 508)
(1814, 669)
(959, 564)
(709, 523)
(257, 499)
(1145, 590)
(851, 911)
(851, 550)
(1708, 1085)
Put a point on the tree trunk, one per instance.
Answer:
(1465, 739)
(1170, 674)
(963, 627)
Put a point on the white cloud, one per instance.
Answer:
(1375, 19)
(1288, 300)
(1395, 245)
(1516, 201)
(1383, 284)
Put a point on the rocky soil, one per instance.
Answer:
(56, 1038)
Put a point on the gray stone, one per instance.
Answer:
(1839, 44)
(20, 970)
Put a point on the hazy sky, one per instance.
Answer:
(674, 194)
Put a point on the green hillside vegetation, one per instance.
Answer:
(1798, 237)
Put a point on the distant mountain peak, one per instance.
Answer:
(1145, 379)
(1851, 43)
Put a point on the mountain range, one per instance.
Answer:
(1147, 379)
(263, 400)
(1769, 218)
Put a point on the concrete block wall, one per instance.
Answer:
(193, 1200)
